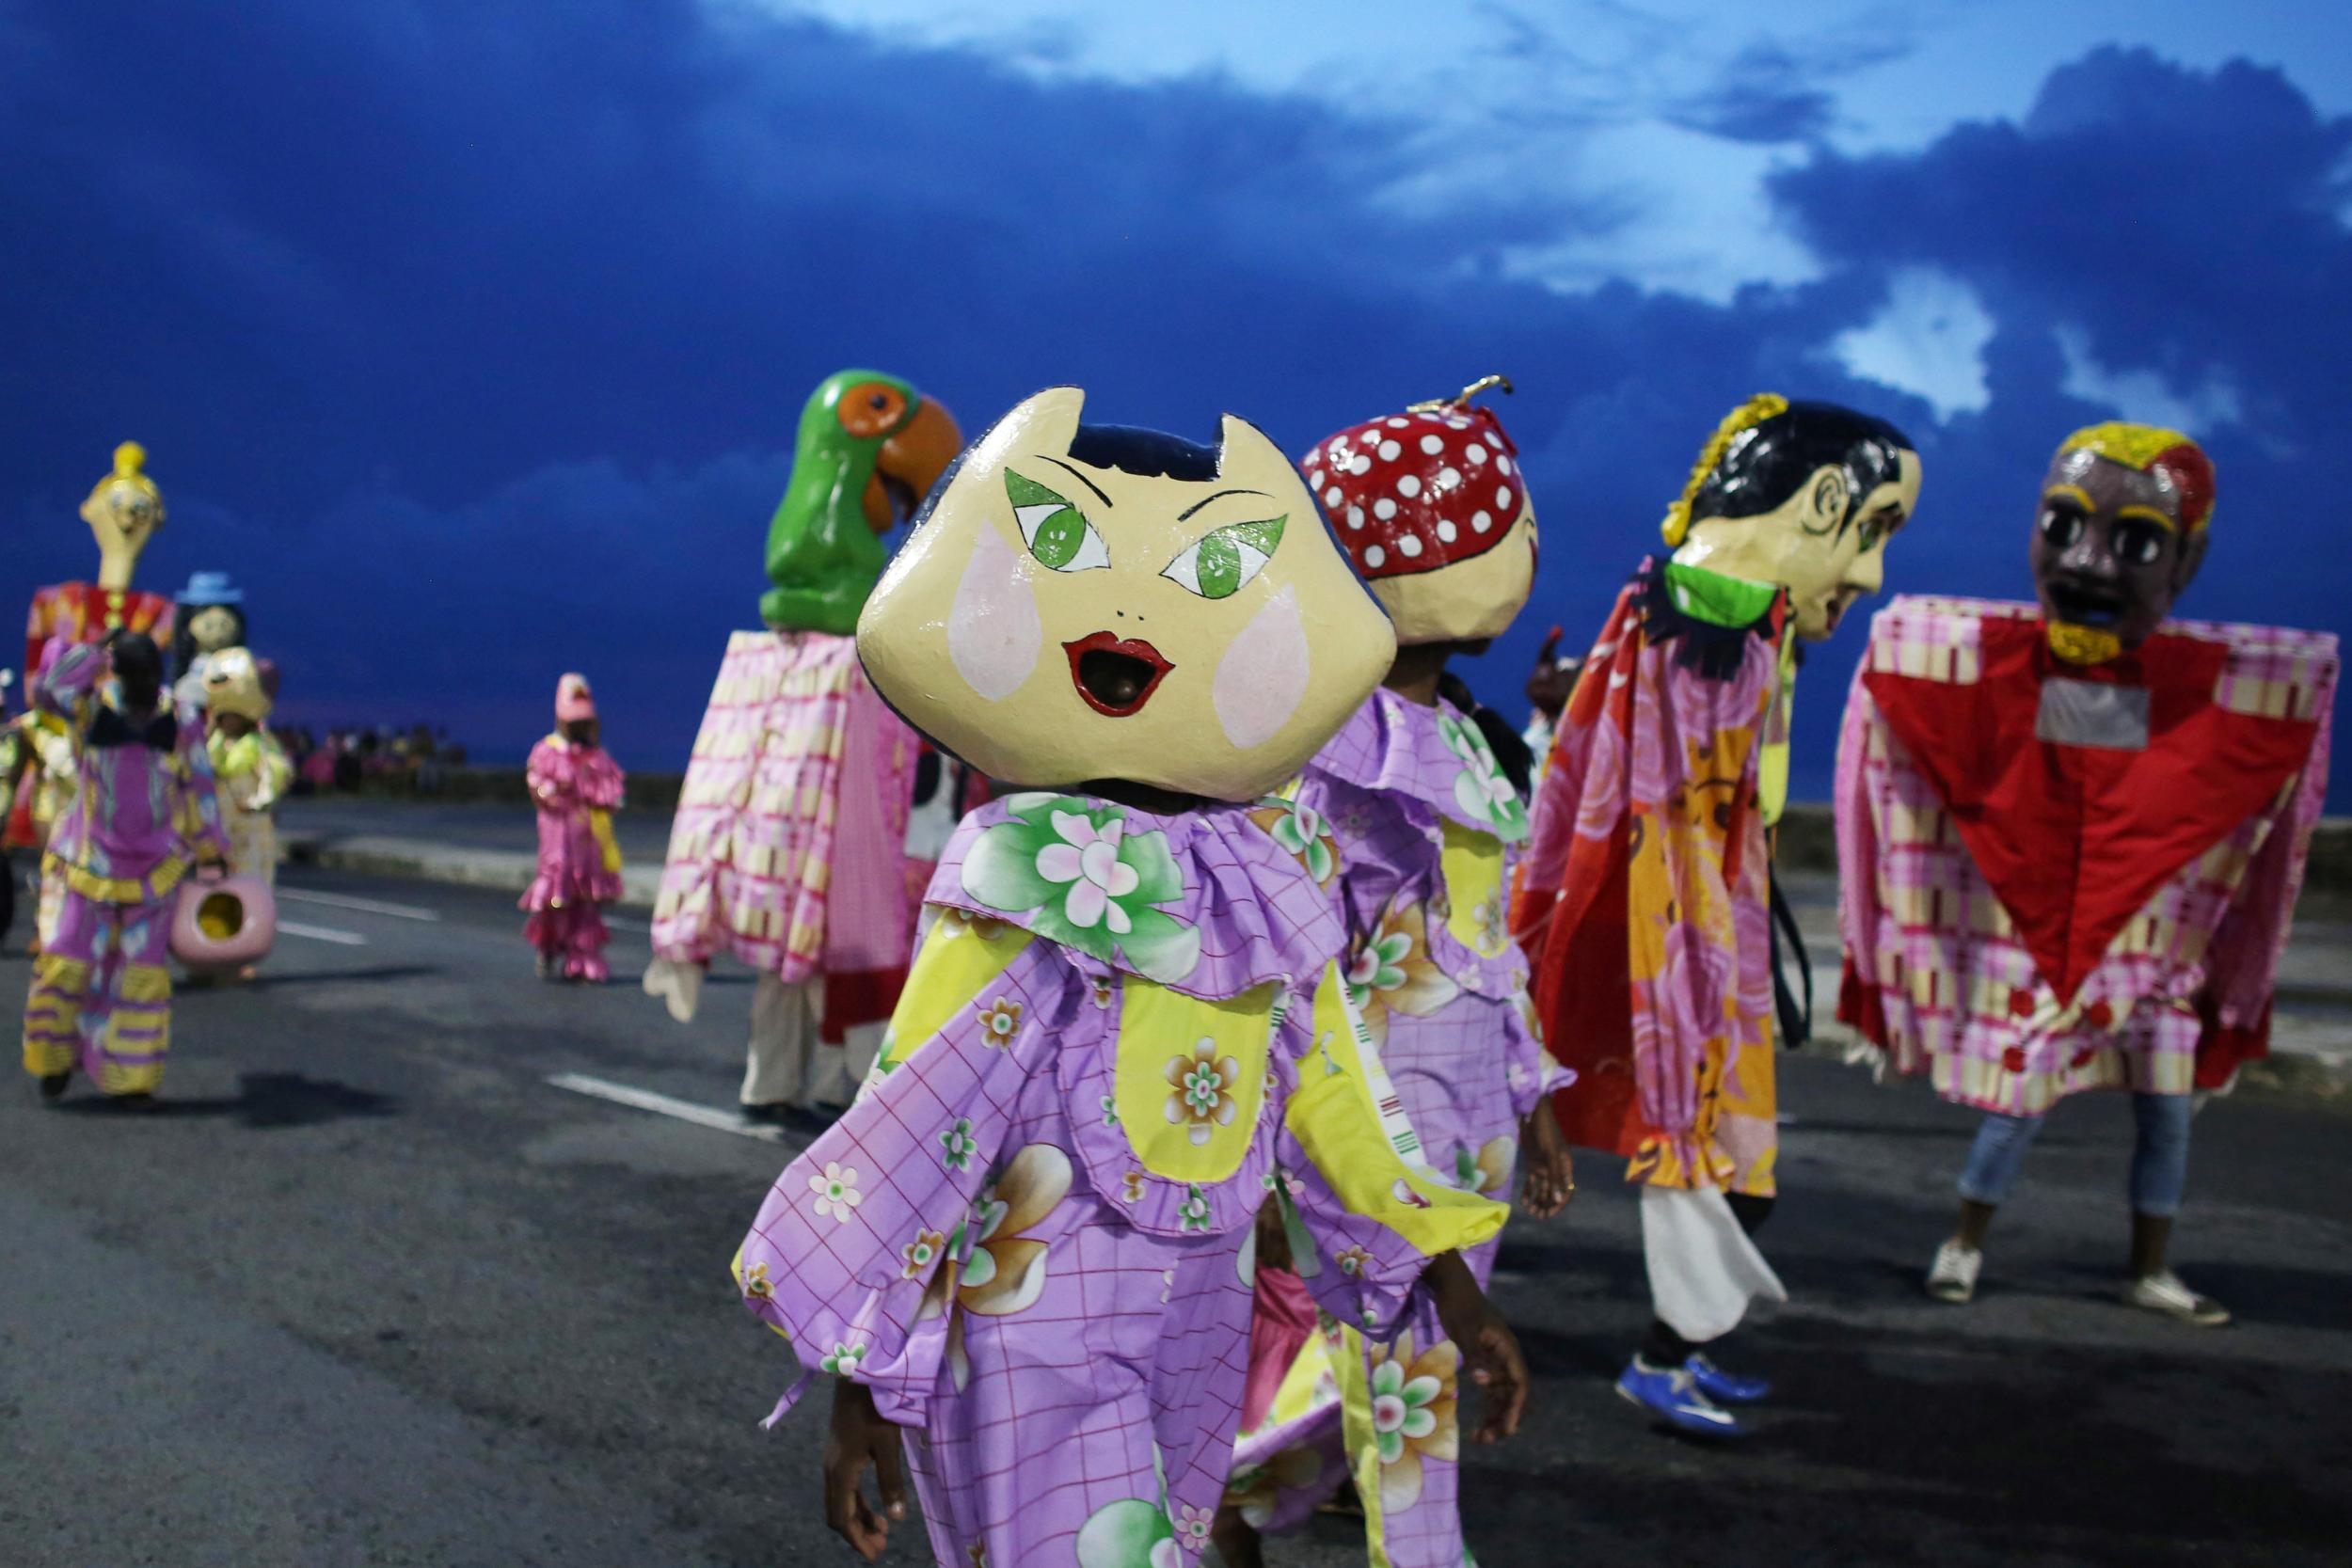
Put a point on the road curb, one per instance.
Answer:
(420, 860)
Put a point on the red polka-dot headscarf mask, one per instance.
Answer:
(1432, 510)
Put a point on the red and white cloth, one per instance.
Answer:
(2039, 900)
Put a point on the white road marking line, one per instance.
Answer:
(661, 1104)
(365, 906)
(321, 933)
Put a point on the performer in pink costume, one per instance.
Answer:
(577, 787)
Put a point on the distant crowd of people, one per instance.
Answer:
(344, 759)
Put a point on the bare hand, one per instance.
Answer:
(1490, 1351)
(859, 1437)
(1550, 1169)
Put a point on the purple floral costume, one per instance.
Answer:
(1414, 821)
(143, 805)
(1031, 1237)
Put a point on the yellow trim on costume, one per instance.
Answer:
(1161, 1033)
(115, 1077)
(1753, 412)
(607, 849)
(149, 983)
(1470, 862)
(118, 890)
(957, 960)
(1345, 1117)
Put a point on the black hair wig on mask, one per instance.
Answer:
(1768, 461)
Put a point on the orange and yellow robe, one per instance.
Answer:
(1643, 896)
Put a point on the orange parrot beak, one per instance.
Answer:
(909, 464)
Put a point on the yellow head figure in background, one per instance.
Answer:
(1100, 603)
(124, 510)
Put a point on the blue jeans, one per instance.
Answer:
(2160, 1162)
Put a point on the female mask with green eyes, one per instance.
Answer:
(1087, 603)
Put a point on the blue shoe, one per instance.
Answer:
(1673, 1395)
(1725, 1387)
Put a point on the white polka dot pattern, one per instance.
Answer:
(1409, 503)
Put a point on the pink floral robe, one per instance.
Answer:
(575, 789)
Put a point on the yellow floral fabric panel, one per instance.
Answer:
(1191, 1076)
(959, 959)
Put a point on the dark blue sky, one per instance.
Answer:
(470, 335)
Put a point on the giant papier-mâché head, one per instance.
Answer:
(1433, 513)
(1083, 603)
(1804, 495)
(2121, 531)
(123, 511)
(869, 447)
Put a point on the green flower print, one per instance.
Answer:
(1194, 1214)
(1481, 789)
(1465, 1169)
(1378, 965)
(1414, 1399)
(843, 1359)
(1091, 883)
(960, 1144)
(1301, 830)
(1400, 1408)
(1129, 1533)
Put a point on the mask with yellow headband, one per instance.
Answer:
(2119, 532)
(1805, 496)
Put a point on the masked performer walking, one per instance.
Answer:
(1644, 895)
(143, 811)
(1027, 1241)
(2072, 834)
(577, 786)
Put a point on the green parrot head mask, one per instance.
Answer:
(870, 448)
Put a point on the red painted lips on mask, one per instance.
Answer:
(1115, 675)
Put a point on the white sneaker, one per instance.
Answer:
(2165, 1293)
(1953, 1275)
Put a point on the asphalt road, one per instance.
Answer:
(369, 1291)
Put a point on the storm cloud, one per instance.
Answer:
(470, 337)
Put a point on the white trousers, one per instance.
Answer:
(787, 1064)
(1702, 1268)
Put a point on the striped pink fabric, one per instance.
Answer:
(792, 731)
(1924, 934)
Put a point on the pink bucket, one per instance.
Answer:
(223, 922)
